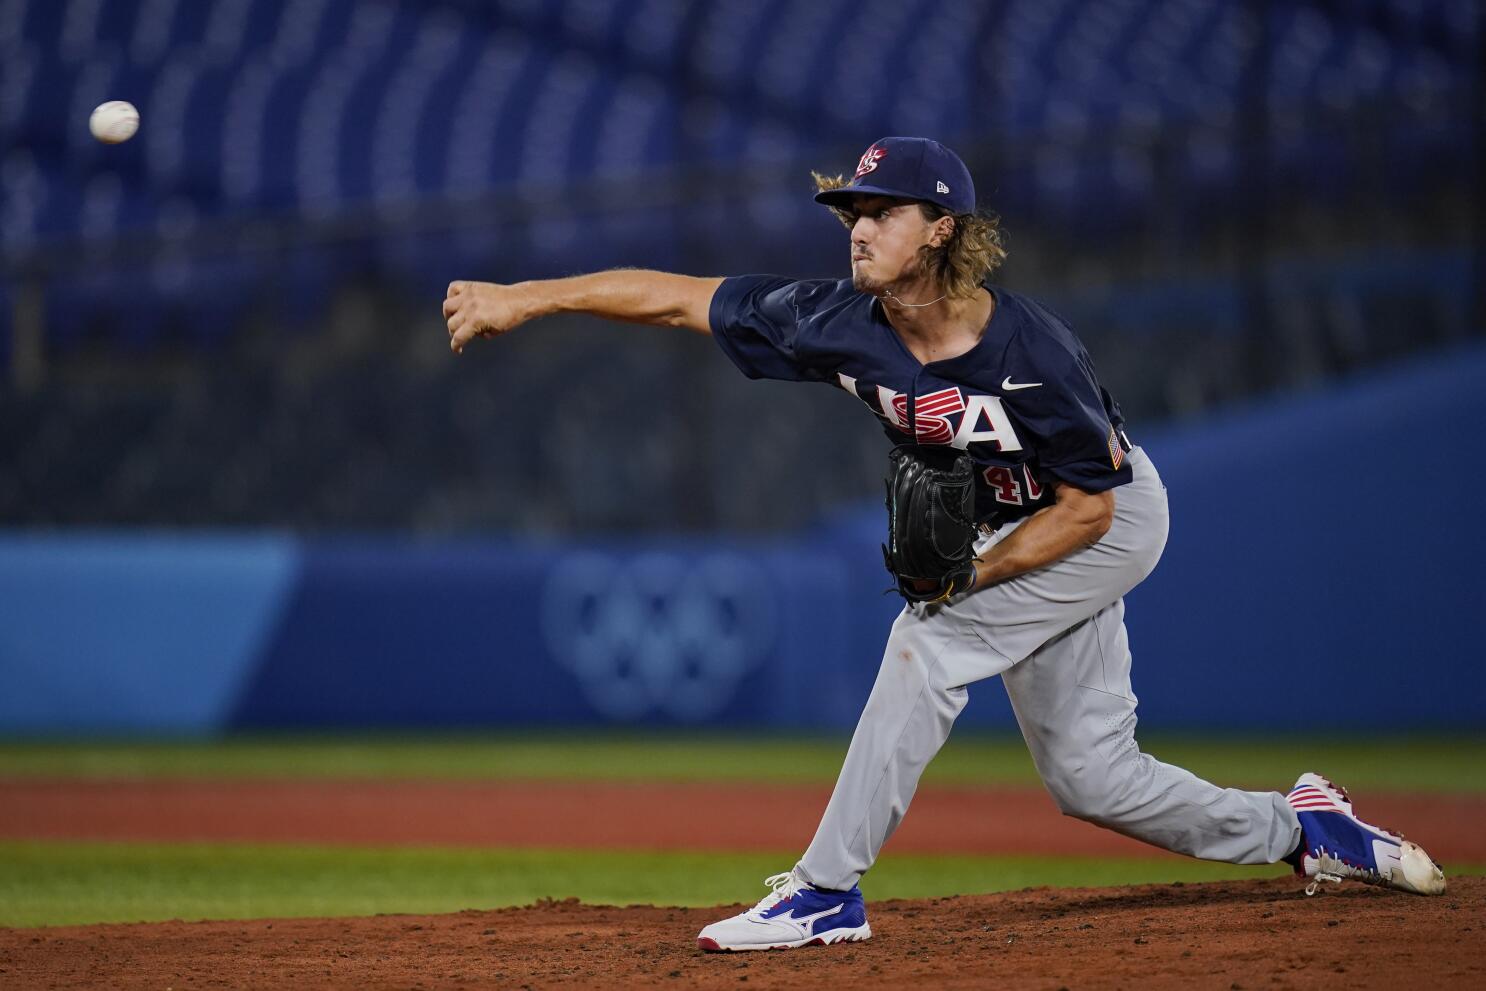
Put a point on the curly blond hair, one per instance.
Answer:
(972, 252)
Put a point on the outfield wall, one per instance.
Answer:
(1322, 573)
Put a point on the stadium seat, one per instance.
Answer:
(345, 113)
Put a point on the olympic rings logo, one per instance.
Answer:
(657, 632)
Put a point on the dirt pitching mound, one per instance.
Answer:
(1249, 934)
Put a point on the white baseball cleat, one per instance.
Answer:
(1335, 845)
(793, 914)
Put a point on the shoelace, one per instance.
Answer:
(784, 886)
(1333, 870)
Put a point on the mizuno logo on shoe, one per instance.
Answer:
(804, 923)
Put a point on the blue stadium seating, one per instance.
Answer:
(324, 109)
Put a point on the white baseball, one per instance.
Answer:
(114, 121)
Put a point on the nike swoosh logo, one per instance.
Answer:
(1008, 386)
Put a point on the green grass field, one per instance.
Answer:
(58, 883)
(1415, 763)
(66, 883)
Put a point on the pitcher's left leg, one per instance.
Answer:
(906, 720)
(1074, 704)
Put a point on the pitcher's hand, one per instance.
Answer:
(482, 309)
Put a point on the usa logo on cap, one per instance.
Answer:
(869, 161)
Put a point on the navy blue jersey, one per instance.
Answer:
(1023, 402)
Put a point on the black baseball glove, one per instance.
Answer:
(930, 521)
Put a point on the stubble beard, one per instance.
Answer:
(912, 270)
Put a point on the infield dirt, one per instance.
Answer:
(1227, 935)
(1248, 934)
(610, 816)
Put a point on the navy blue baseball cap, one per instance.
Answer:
(909, 168)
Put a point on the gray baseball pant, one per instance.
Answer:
(1057, 638)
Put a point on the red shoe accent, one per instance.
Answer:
(709, 944)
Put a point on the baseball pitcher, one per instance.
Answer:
(1019, 515)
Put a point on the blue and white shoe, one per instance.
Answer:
(793, 914)
(1335, 845)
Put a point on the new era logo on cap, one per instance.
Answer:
(940, 187)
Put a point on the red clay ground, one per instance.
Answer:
(1255, 934)
(1248, 934)
(609, 816)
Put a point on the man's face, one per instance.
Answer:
(886, 242)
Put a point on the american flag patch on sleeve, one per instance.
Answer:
(1116, 450)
